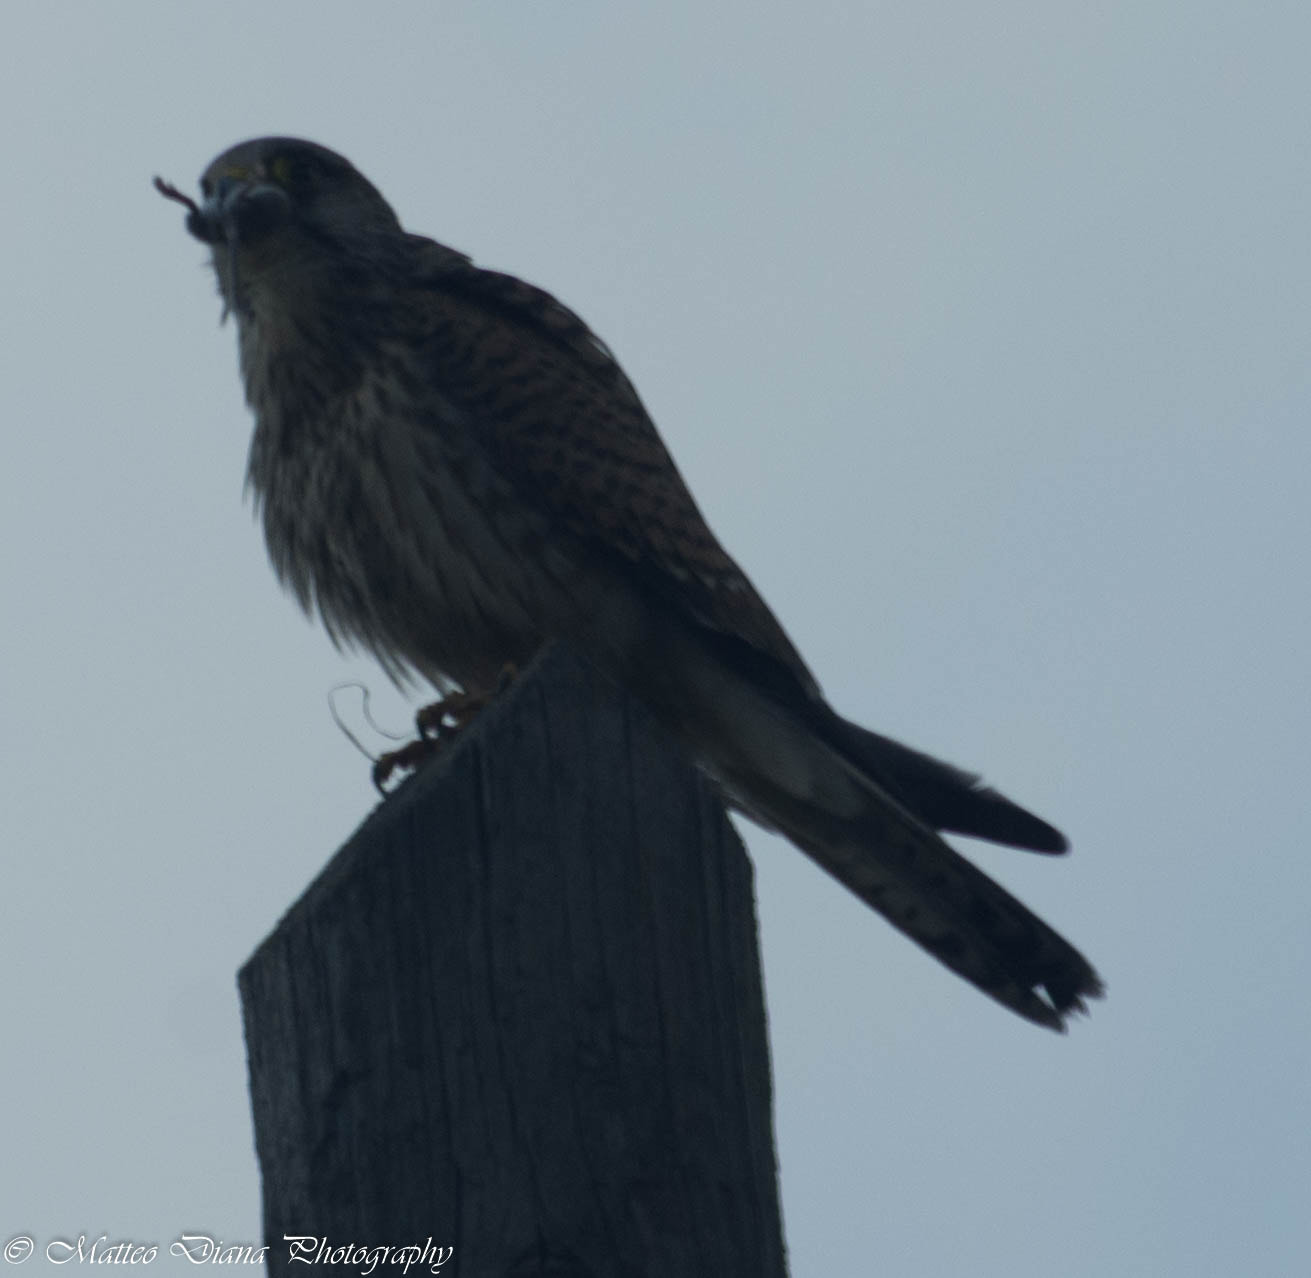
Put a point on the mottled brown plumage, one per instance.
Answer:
(452, 470)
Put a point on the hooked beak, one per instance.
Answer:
(238, 209)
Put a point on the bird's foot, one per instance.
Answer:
(406, 759)
(436, 724)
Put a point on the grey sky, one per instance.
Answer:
(980, 333)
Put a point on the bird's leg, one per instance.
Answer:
(436, 724)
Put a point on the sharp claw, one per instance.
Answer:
(436, 724)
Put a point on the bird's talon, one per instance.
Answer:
(456, 710)
(407, 758)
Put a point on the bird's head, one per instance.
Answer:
(278, 211)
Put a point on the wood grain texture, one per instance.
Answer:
(520, 1012)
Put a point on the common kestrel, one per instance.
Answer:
(453, 470)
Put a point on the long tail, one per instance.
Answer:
(868, 809)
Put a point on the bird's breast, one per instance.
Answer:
(383, 513)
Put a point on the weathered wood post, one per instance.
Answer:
(519, 1014)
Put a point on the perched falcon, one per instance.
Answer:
(452, 470)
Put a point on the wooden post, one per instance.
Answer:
(519, 1014)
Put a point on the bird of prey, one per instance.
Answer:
(452, 470)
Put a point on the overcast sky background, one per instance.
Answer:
(981, 334)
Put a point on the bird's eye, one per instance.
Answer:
(282, 170)
(206, 187)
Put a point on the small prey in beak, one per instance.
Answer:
(199, 221)
(170, 192)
